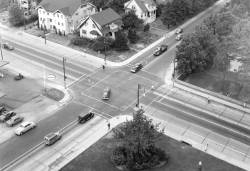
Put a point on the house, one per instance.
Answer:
(144, 9)
(63, 17)
(27, 5)
(104, 23)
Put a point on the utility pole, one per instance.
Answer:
(138, 95)
(64, 75)
(44, 36)
(105, 56)
(173, 76)
(1, 47)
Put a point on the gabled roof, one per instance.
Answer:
(141, 4)
(67, 7)
(105, 17)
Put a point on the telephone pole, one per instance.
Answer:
(64, 74)
(1, 47)
(138, 95)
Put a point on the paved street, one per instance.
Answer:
(86, 82)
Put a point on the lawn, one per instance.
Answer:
(234, 85)
(4, 4)
(182, 158)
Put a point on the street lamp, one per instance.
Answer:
(64, 72)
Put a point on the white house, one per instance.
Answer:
(104, 23)
(144, 9)
(63, 16)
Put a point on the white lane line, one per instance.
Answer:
(201, 118)
(49, 61)
(115, 107)
(41, 65)
(49, 54)
(92, 108)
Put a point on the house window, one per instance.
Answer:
(57, 15)
(76, 13)
(93, 25)
(84, 32)
(41, 19)
(43, 12)
(62, 24)
(58, 23)
(148, 14)
(61, 16)
(47, 13)
(133, 7)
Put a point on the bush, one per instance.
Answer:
(146, 28)
(79, 41)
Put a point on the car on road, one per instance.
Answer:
(159, 50)
(52, 137)
(7, 115)
(137, 67)
(8, 46)
(14, 120)
(82, 118)
(106, 93)
(178, 30)
(18, 77)
(178, 37)
(25, 127)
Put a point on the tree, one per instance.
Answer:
(99, 3)
(131, 21)
(121, 42)
(168, 16)
(146, 28)
(102, 44)
(196, 51)
(132, 36)
(117, 5)
(16, 15)
(138, 149)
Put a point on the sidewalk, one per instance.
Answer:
(71, 145)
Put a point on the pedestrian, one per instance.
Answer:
(103, 67)
(208, 100)
(108, 126)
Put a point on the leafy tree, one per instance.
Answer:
(117, 5)
(16, 15)
(121, 42)
(132, 36)
(131, 21)
(168, 16)
(138, 149)
(99, 3)
(196, 51)
(102, 44)
(146, 28)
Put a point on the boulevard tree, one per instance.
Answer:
(132, 36)
(121, 42)
(137, 144)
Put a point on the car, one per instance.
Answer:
(52, 137)
(18, 77)
(8, 46)
(14, 120)
(2, 110)
(25, 127)
(6, 115)
(82, 118)
(137, 67)
(178, 37)
(106, 94)
(159, 50)
(178, 30)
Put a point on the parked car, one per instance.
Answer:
(19, 77)
(178, 37)
(25, 127)
(82, 118)
(8, 46)
(2, 110)
(137, 67)
(178, 30)
(106, 94)
(14, 120)
(159, 50)
(6, 115)
(52, 137)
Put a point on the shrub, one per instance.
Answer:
(79, 41)
(146, 28)
(118, 156)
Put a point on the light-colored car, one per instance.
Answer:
(8, 46)
(25, 127)
(178, 30)
(14, 120)
(106, 94)
(179, 37)
(51, 138)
